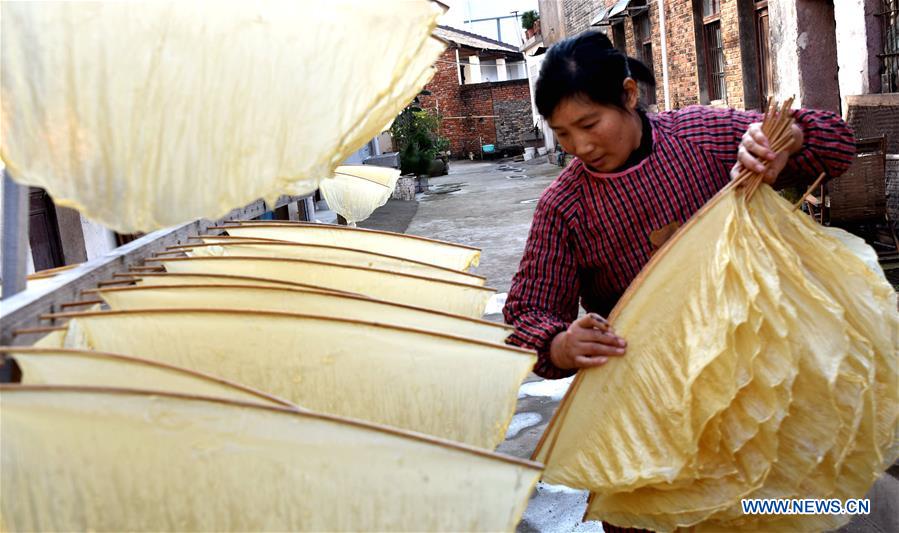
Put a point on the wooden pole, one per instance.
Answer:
(15, 235)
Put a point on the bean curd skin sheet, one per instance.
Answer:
(762, 363)
(125, 461)
(82, 367)
(296, 301)
(445, 254)
(450, 297)
(365, 370)
(197, 111)
(330, 254)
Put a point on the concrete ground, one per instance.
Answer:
(490, 205)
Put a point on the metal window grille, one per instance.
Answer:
(714, 54)
(890, 56)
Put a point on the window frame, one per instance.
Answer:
(764, 65)
(643, 44)
(889, 49)
(716, 86)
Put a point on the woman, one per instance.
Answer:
(634, 177)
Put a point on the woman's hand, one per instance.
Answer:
(755, 152)
(588, 342)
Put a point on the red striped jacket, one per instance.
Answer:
(590, 233)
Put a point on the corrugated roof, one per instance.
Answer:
(619, 7)
(472, 40)
(601, 17)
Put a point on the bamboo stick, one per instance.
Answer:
(777, 125)
(150, 268)
(30, 331)
(79, 304)
(809, 191)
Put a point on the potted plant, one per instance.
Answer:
(530, 21)
(416, 132)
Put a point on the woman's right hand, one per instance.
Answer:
(589, 341)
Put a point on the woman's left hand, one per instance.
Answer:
(756, 155)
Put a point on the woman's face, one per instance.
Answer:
(601, 136)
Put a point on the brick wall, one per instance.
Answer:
(892, 190)
(495, 113)
(578, 14)
(733, 58)
(445, 99)
(444, 87)
(478, 126)
(686, 83)
(512, 107)
(683, 77)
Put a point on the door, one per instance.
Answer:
(765, 73)
(43, 231)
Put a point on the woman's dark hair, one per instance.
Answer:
(586, 66)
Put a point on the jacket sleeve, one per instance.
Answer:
(828, 145)
(542, 301)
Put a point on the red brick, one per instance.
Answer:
(683, 78)
(468, 113)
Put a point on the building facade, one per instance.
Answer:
(840, 55)
(739, 52)
(481, 93)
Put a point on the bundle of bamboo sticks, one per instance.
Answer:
(777, 127)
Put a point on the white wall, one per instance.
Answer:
(98, 240)
(502, 70)
(477, 70)
(532, 68)
(29, 262)
(473, 71)
(852, 52)
(785, 42)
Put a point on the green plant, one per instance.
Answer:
(529, 18)
(417, 137)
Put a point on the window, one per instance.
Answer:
(488, 70)
(890, 23)
(618, 38)
(643, 39)
(713, 50)
(516, 71)
(765, 74)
